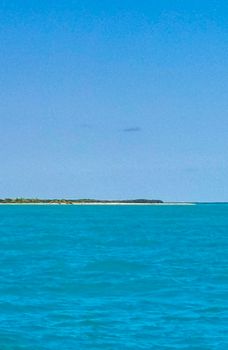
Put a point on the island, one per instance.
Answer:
(84, 201)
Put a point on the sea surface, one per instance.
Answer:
(114, 277)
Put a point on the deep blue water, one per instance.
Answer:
(114, 277)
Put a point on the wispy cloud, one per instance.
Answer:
(132, 129)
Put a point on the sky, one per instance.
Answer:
(114, 99)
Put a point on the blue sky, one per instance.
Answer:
(114, 99)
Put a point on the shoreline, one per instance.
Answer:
(108, 204)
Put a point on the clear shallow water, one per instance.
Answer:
(114, 277)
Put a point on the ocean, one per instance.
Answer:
(114, 277)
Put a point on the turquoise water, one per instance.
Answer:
(114, 277)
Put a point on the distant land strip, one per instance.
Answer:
(87, 201)
(74, 201)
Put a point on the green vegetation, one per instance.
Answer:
(75, 201)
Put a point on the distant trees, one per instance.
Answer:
(22, 200)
